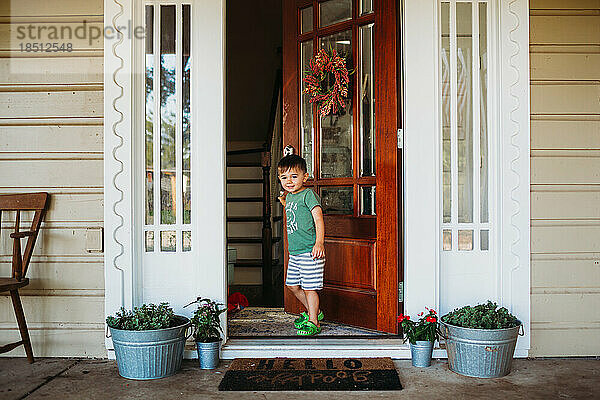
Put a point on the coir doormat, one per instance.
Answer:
(271, 374)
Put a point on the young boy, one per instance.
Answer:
(306, 236)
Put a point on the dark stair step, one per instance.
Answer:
(245, 199)
(253, 262)
(244, 181)
(243, 240)
(251, 219)
(243, 164)
(244, 219)
(245, 151)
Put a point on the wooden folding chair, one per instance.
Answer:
(37, 202)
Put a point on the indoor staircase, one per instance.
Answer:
(254, 216)
(252, 229)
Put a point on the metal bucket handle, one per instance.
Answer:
(108, 334)
(443, 331)
(521, 330)
(189, 335)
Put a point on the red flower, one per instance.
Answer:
(421, 314)
(431, 319)
(402, 317)
(432, 311)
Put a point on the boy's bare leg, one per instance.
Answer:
(300, 295)
(312, 298)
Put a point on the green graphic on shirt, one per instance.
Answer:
(300, 223)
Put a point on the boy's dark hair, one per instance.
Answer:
(292, 161)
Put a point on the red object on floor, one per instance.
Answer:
(236, 301)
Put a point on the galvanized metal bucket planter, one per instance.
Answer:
(421, 353)
(208, 354)
(150, 354)
(481, 353)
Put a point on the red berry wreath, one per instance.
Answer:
(323, 67)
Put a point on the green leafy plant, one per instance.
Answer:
(206, 320)
(425, 328)
(481, 316)
(146, 317)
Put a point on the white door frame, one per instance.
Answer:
(421, 184)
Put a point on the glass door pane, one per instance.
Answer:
(334, 11)
(483, 89)
(168, 116)
(464, 63)
(366, 7)
(185, 118)
(306, 110)
(337, 129)
(306, 19)
(337, 199)
(367, 102)
(149, 120)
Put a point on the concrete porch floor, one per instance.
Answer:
(58, 378)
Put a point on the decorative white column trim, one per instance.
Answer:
(515, 163)
(118, 240)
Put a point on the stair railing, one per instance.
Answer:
(272, 148)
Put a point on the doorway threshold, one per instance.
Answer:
(315, 347)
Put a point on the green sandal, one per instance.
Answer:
(309, 329)
(303, 319)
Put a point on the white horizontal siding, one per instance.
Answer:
(565, 177)
(51, 139)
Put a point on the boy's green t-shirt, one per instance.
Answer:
(301, 231)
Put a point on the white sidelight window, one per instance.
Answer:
(167, 151)
(167, 148)
(467, 164)
(164, 147)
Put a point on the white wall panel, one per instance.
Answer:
(566, 168)
(51, 139)
(66, 104)
(60, 341)
(62, 274)
(565, 29)
(565, 177)
(560, 133)
(51, 173)
(572, 271)
(55, 309)
(564, 98)
(44, 7)
(56, 70)
(567, 204)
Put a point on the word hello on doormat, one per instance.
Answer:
(269, 374)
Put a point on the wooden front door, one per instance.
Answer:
(352, 156)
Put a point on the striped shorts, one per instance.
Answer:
(305, 271)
